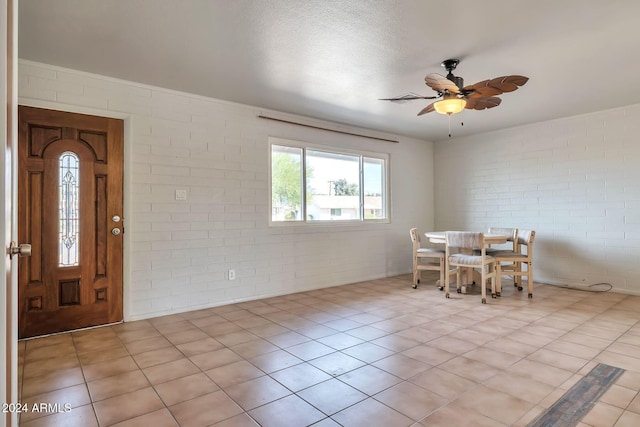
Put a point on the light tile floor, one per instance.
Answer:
(371, 353)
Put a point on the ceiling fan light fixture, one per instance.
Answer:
(452, 105)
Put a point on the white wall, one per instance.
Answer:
(575, 181)
(179, 251)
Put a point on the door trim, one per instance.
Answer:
(8, 182)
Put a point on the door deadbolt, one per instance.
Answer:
(115, 218)
(21, 250)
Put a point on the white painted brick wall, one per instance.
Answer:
(573, 180)
(179, 251)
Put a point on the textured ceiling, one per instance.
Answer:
(333, 59)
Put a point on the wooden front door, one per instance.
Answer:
(70, 170)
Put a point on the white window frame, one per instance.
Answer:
(335, 150)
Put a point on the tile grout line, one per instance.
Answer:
(333, 301)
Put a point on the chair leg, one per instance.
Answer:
(483, 286)
(446, 279)
(493, 272)
(417, 273)
(498, 279)
(442, 272)
(494, 294)
(530, 279)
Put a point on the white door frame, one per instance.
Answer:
(8, 140)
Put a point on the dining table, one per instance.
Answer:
(489, 238)
(438, 237)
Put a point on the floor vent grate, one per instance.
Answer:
(579, 399)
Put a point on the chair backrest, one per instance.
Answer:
(525, 238)
(415, 239)
(464, 239)
(511, 232)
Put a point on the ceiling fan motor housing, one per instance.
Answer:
(450, 65)
(459, 81)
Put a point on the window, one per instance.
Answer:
(311, 184)
(69, 209)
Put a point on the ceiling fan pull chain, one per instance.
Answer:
(449, 124)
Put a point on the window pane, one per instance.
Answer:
(69, 186)
(286, 183)
(374, 185)
(333, 186)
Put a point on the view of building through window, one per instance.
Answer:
(336, 186)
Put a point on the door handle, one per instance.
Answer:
(21, 250)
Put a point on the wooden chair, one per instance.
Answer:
(425, 259)
(466, 242)
(521, 256)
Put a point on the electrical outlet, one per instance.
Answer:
(232, 275)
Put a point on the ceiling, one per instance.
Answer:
(333, 59)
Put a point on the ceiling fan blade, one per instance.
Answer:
(495, 86)
(407, 97)
(482, 103)
(429, 108)
(481, 90)
(440, 83)
(508, 83)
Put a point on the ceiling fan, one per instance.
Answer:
(455, 97)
